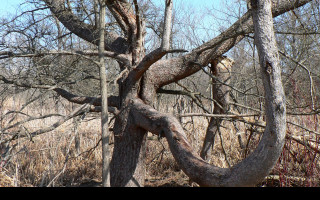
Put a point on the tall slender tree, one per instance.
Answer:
(104, 99)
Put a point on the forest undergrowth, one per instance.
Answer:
(70, 155)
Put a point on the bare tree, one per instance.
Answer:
(143, 74)
(104, 100)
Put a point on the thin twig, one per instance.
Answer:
(311, 87)
(217, 115)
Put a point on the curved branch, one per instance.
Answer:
(96, 101)
(123, 13)
(171, 70)
(85, 31)
(248, 172)
(257, 165)
(148, 60)
(117, 16)
(113, 101)
(129, 23)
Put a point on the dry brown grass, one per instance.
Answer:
(53, 160)
(5, 180)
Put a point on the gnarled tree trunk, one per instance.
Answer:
(143, 74)
(255, 167)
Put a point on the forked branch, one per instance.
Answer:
(175, 69)
(258, 164)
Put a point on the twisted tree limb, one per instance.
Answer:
(257, 165)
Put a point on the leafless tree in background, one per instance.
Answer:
(140, 73)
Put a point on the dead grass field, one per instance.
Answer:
(71, 154)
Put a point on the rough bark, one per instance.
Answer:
(128, 160)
